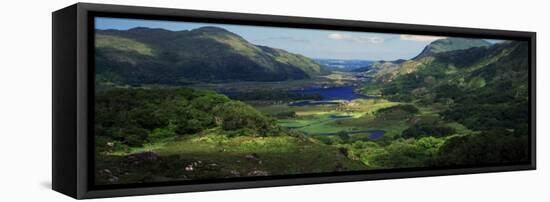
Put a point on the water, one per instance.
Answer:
(333, 116)
(373, 134)
(333, 93)
(311, 103)
(344, 65)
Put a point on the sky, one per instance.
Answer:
(313, 43)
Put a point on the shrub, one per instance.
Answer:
(162, 133)
(406, 108)
(427, 129)
(238, 115)
(397, 112)
(496, 146)
(343, 135)
(400, 154)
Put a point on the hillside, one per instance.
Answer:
(186, 134)
(157, 56)
(483, 90)
(484, 87)
(387, 71)
(451, 44)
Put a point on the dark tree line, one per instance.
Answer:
(132, 117)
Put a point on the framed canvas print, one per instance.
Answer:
(154, 100)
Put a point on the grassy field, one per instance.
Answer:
(209, 155)
(316, 120)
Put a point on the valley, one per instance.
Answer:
(211, 105)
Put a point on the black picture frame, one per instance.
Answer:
(73, 93)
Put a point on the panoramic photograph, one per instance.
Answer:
(187, 101)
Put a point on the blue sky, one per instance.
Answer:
(312, 43)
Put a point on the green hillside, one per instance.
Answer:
(483, 89)
(157, 56)
(182, 134)
(451, 44)
(459, 50)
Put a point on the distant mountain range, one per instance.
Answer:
(157, 56)
(344, 65)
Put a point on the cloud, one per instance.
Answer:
(360, 39)
(336, 36)
(428, 38)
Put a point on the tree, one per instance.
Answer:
(343, 135)
(496, 146)
(427, 129)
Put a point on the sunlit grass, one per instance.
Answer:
(123, 44)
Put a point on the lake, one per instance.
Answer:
(334, 116)
(311, 103)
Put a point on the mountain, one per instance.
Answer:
(157, 56)
(377, 65)
(386, 71)
(451, 44)
(482, 87)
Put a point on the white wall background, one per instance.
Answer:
(25, 102)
